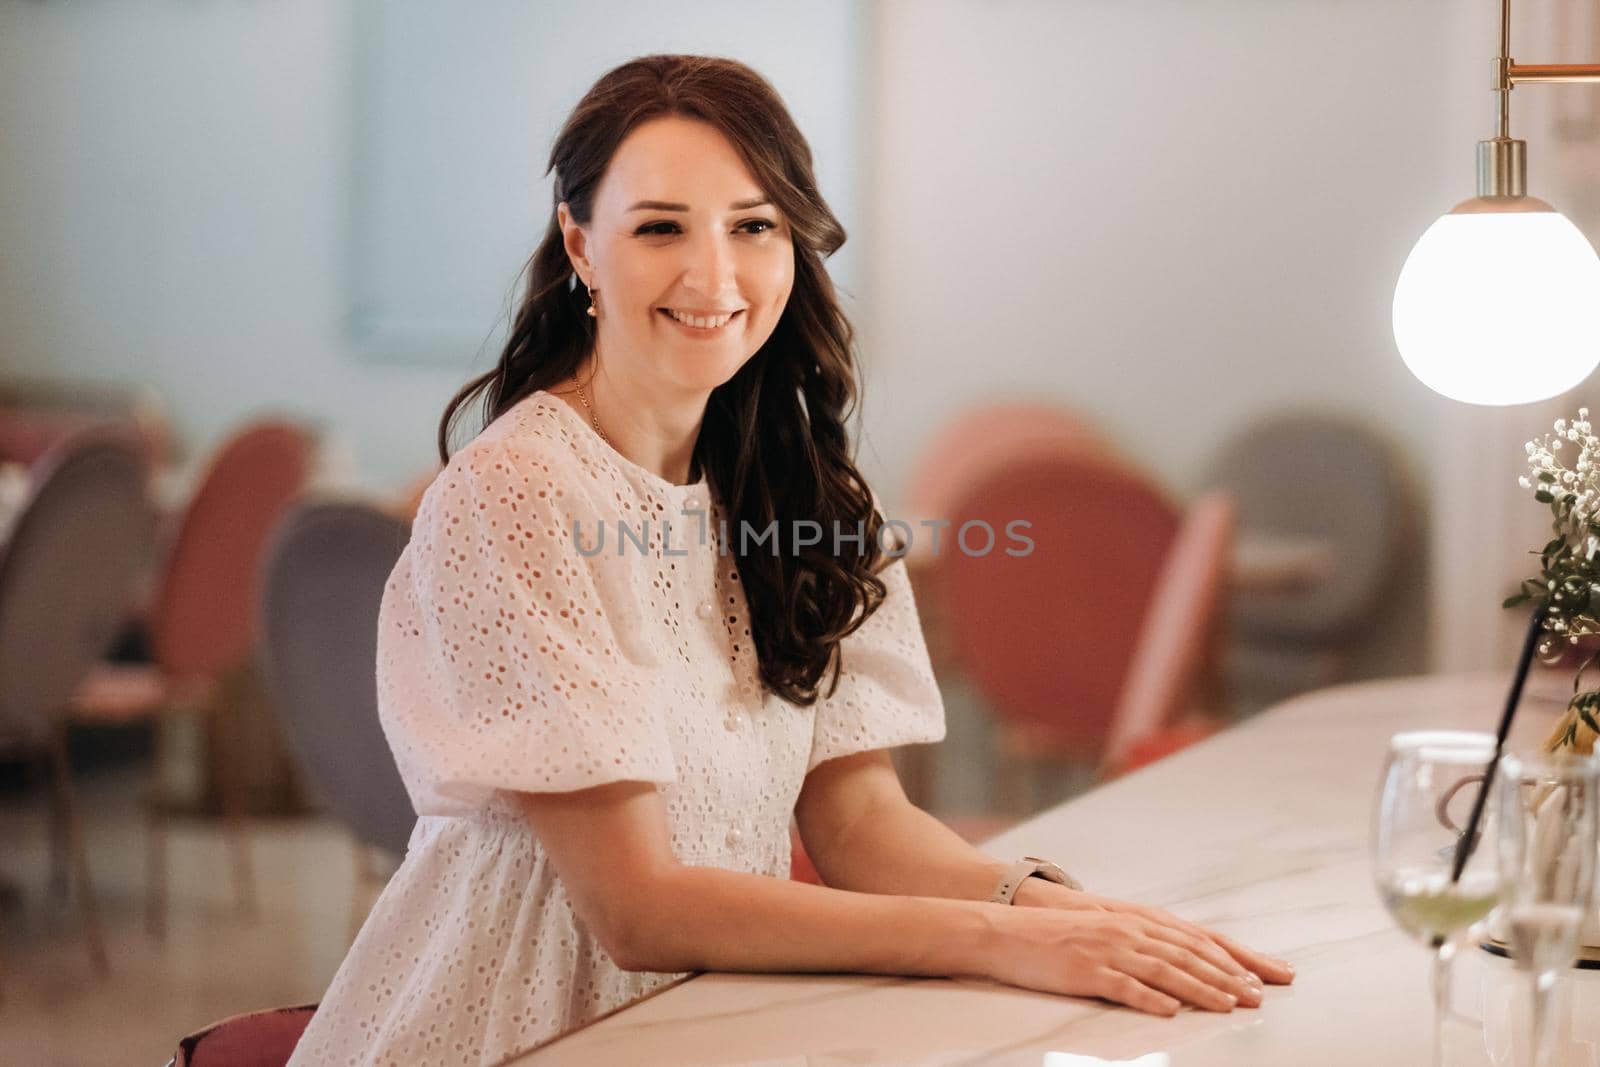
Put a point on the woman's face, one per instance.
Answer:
(693, 266)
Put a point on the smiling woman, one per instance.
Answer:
(691, 289)
(685, 193)
(605, 751)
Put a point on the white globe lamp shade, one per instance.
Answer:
(1498, 306)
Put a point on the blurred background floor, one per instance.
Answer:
(55, 1011)
(216, 962)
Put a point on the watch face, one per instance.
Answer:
(1048, 870)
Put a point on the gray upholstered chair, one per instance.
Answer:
(1321, 479)
(322, 583)
(70, 568)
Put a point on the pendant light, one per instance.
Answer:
(1499, 302)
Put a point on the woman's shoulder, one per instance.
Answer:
(539, 428)
(534, 452)
(541, 437)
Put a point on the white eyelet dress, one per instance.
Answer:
(515, 657)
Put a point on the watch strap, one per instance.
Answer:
(1029, 867)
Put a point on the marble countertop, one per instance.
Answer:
(1261, 833)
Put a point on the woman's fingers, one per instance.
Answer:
(1123, 988)
(1141, 957)
(1268, 968)
(1246, 990)
(1201, 945)
(1175, 981)
(1271, 969)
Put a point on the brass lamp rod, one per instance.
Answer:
(1502, 161)
(1509, 73)
(1549, 73)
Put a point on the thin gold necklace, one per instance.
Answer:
(584, 400)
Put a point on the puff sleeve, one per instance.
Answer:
(886, 695)
(504, 658)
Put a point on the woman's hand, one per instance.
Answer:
(1119, 955)
(1221, 952)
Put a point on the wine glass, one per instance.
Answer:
(1549, 815)
(1431, 781)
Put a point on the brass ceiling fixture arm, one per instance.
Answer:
(1503, 161)
(1509, 73)
(1552, 73)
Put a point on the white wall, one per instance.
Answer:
(172, 203)
(457, 116)
(176, 192)
(1173, 214)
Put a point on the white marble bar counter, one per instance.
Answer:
(1261, 833)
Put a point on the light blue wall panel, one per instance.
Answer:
(455, 107)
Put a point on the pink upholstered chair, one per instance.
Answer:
(1062, 641)
(25, 435)
(990, 438)
(977, 444)
(203, 623)
(258, 1039)
(1167, 741)
(1176, 658)
(34, 417)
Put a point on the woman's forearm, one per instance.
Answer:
(899, 848)
(710, 919)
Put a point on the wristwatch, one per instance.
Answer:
(1006, 891)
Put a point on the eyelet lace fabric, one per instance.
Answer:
(515, 657)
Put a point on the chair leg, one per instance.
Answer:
(230, 701)
(155, 838)
(67, 799)
(244, 880)
(60, 874)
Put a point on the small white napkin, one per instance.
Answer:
(1073, 1059)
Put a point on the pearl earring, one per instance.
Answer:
(593, 293)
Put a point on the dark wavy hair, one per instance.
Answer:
(773, 443)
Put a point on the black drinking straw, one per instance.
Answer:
(1469, 836)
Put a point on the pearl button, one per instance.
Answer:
(735, 836)
(691, 503)
(734, 722)
(705, 609)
